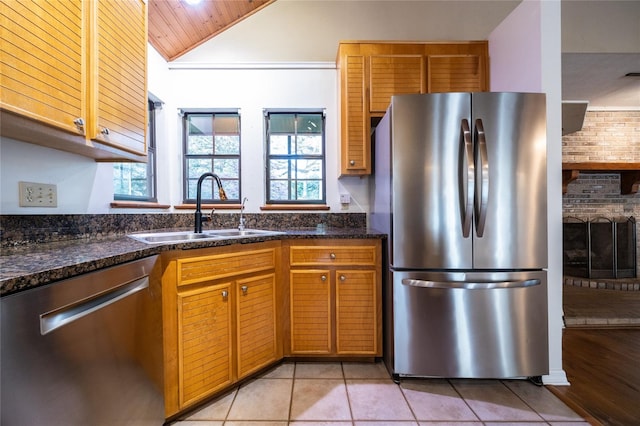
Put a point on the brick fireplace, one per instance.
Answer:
(606, 136)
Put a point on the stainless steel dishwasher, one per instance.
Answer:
(84, 351)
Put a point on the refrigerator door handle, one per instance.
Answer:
(482, 197)
(470, 285)
(467, 183)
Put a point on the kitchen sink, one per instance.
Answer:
(172, 237)
(213, 234)
(237, 233)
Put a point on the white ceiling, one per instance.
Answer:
(599, 78)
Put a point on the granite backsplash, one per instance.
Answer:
(29, 229)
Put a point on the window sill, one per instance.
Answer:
(138, 205)
(209, 206)
(295, 207)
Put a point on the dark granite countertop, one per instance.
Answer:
(30, 266)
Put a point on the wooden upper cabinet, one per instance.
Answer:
(73, 76)
(118, 96)
(42, 61)
(370, 73)
(394, 75)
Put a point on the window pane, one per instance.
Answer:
(200, 145)
(278, 169)
(308, 190)
(196, 167)
(309, 123)
(200, 124)
(279, 145)
(226, 123)
(308, 169)
(231, 188)
(278, 190)
(309, 145)
(282, 123)
(227, 167)
(227, 145)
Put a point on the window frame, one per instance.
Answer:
(153, 104)
(185, 113)
(323, 157)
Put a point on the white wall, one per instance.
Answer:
(525, 56)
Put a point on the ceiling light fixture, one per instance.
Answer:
(192, 2)
(632, 74)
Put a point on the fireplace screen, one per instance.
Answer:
(599, 248)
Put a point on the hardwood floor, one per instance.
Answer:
(603, 367)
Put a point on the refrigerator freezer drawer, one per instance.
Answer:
(491, 325)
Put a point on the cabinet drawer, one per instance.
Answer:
(204, 268)
(332, 255)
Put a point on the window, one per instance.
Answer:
(211, 144)
(137, 181)
(295, 157)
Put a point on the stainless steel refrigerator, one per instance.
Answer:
(460, 188)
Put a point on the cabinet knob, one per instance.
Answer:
(343, 278)
(332, 255)
(79, 122)
(225, 293)
(352, 162)
(105, 131)
(244, 289)
(323, 278)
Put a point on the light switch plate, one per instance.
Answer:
(33, 194)
(345, 199)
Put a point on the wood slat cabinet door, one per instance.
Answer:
(310, 312)
(256, 319)
(118, 95)
(394, 75)
(335, 304)
(355, 150)
(42, 58)
(204, 342)
(357, 313)
(456, 73)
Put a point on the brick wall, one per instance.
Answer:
(607, 136)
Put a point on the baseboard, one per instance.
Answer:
(556, 378)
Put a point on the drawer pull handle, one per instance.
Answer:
(323, 278)
(79, 122)
(343, 278)
(225, 293)
(332, 255)
(352, 163)
(244, 289)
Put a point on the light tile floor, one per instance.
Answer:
(363, 394)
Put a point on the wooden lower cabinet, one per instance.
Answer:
(335, 299)
(220, 319)
(229, 312)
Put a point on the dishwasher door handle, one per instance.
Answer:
(57, 318)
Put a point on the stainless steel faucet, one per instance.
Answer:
(199, 219)
(241, 224)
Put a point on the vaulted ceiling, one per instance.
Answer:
(176, 27)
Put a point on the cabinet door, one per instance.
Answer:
(256, 322)
(41, 61)
(204, 342)
(310, 310)
(394, 75)
(118, 95)
(355, 144)
(356, 312)
(456, 73)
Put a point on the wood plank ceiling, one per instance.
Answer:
(175, 27)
